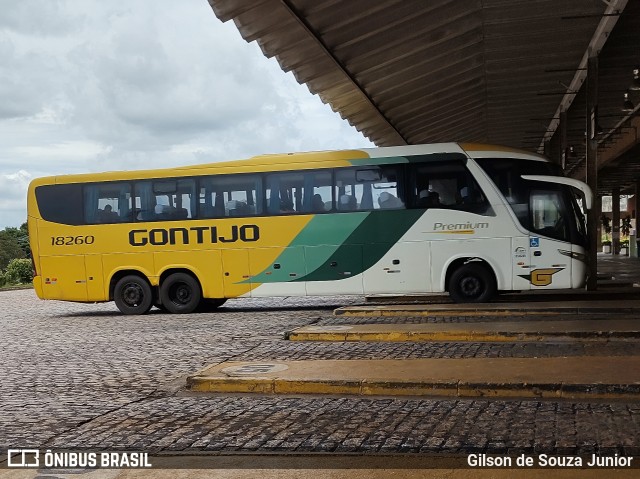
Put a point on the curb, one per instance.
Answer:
(415, 336)
(448, 389)
(377, 311)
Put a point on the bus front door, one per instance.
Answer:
(549, 268)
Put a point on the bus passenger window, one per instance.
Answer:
(224, 196)
(298, 192)
(107, 203)
(371, 187)
(446, 184)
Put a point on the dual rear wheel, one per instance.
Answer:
(180, 293)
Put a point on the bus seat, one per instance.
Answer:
(386, 201)
(236, 208)
(347, 203)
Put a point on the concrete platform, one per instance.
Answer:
(559, 306)
(588, 330)
(577, 377)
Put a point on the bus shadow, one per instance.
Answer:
(222, 310)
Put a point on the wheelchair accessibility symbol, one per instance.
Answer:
(534, 242)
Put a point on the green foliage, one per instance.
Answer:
(606, 228)
(14, 251)
(19, 271)
(9, 248)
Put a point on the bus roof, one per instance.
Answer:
(312, 159)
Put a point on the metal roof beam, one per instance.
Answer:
(599, 38)
(301, 20)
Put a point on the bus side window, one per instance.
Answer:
(446, 184)
(298, 192)
(371, 187)
(230, 195)
(107, 202)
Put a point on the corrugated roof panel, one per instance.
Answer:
(444, 70)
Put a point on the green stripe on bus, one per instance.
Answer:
(322, 236)
(369, 242)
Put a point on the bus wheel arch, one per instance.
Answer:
(131, 292)
(471, 280)
(180, 291)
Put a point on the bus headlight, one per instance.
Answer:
(573, 255)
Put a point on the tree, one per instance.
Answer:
(9, 247)
(19, 271)
(606, 228)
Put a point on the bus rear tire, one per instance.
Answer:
(180, 293)
(472, 283)
(132, 295)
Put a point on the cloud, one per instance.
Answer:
(89, 85)
(13, 194)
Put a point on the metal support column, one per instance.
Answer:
(592, 166)
(562, 126)
(633, 240)
(615, 221)
(547, 148)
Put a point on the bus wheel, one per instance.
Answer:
(180, 293)
(472, 283)
(133, 295)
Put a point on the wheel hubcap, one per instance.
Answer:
(471, 286)
(181, 294)
(132, 294)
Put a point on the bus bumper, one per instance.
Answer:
(579, 271)
(37, 285)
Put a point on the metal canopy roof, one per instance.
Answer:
(416, 71)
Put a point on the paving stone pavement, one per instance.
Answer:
(75, 375)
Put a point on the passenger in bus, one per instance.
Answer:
(108, 215)
(347, 203)
(181, 214)
(429, 199)
(433, 199)
(145, 215)
(317, 204)
(469, 196)
(164, 212)
(286, 206)
(387, 201)
(236, 208)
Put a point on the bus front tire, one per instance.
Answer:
(472, 283)
(132, 295)
(180, 293)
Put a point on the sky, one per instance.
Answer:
(94, 85)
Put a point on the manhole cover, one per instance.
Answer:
(254, 369)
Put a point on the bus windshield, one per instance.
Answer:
(543, 208)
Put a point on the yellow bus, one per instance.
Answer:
(464, 218)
